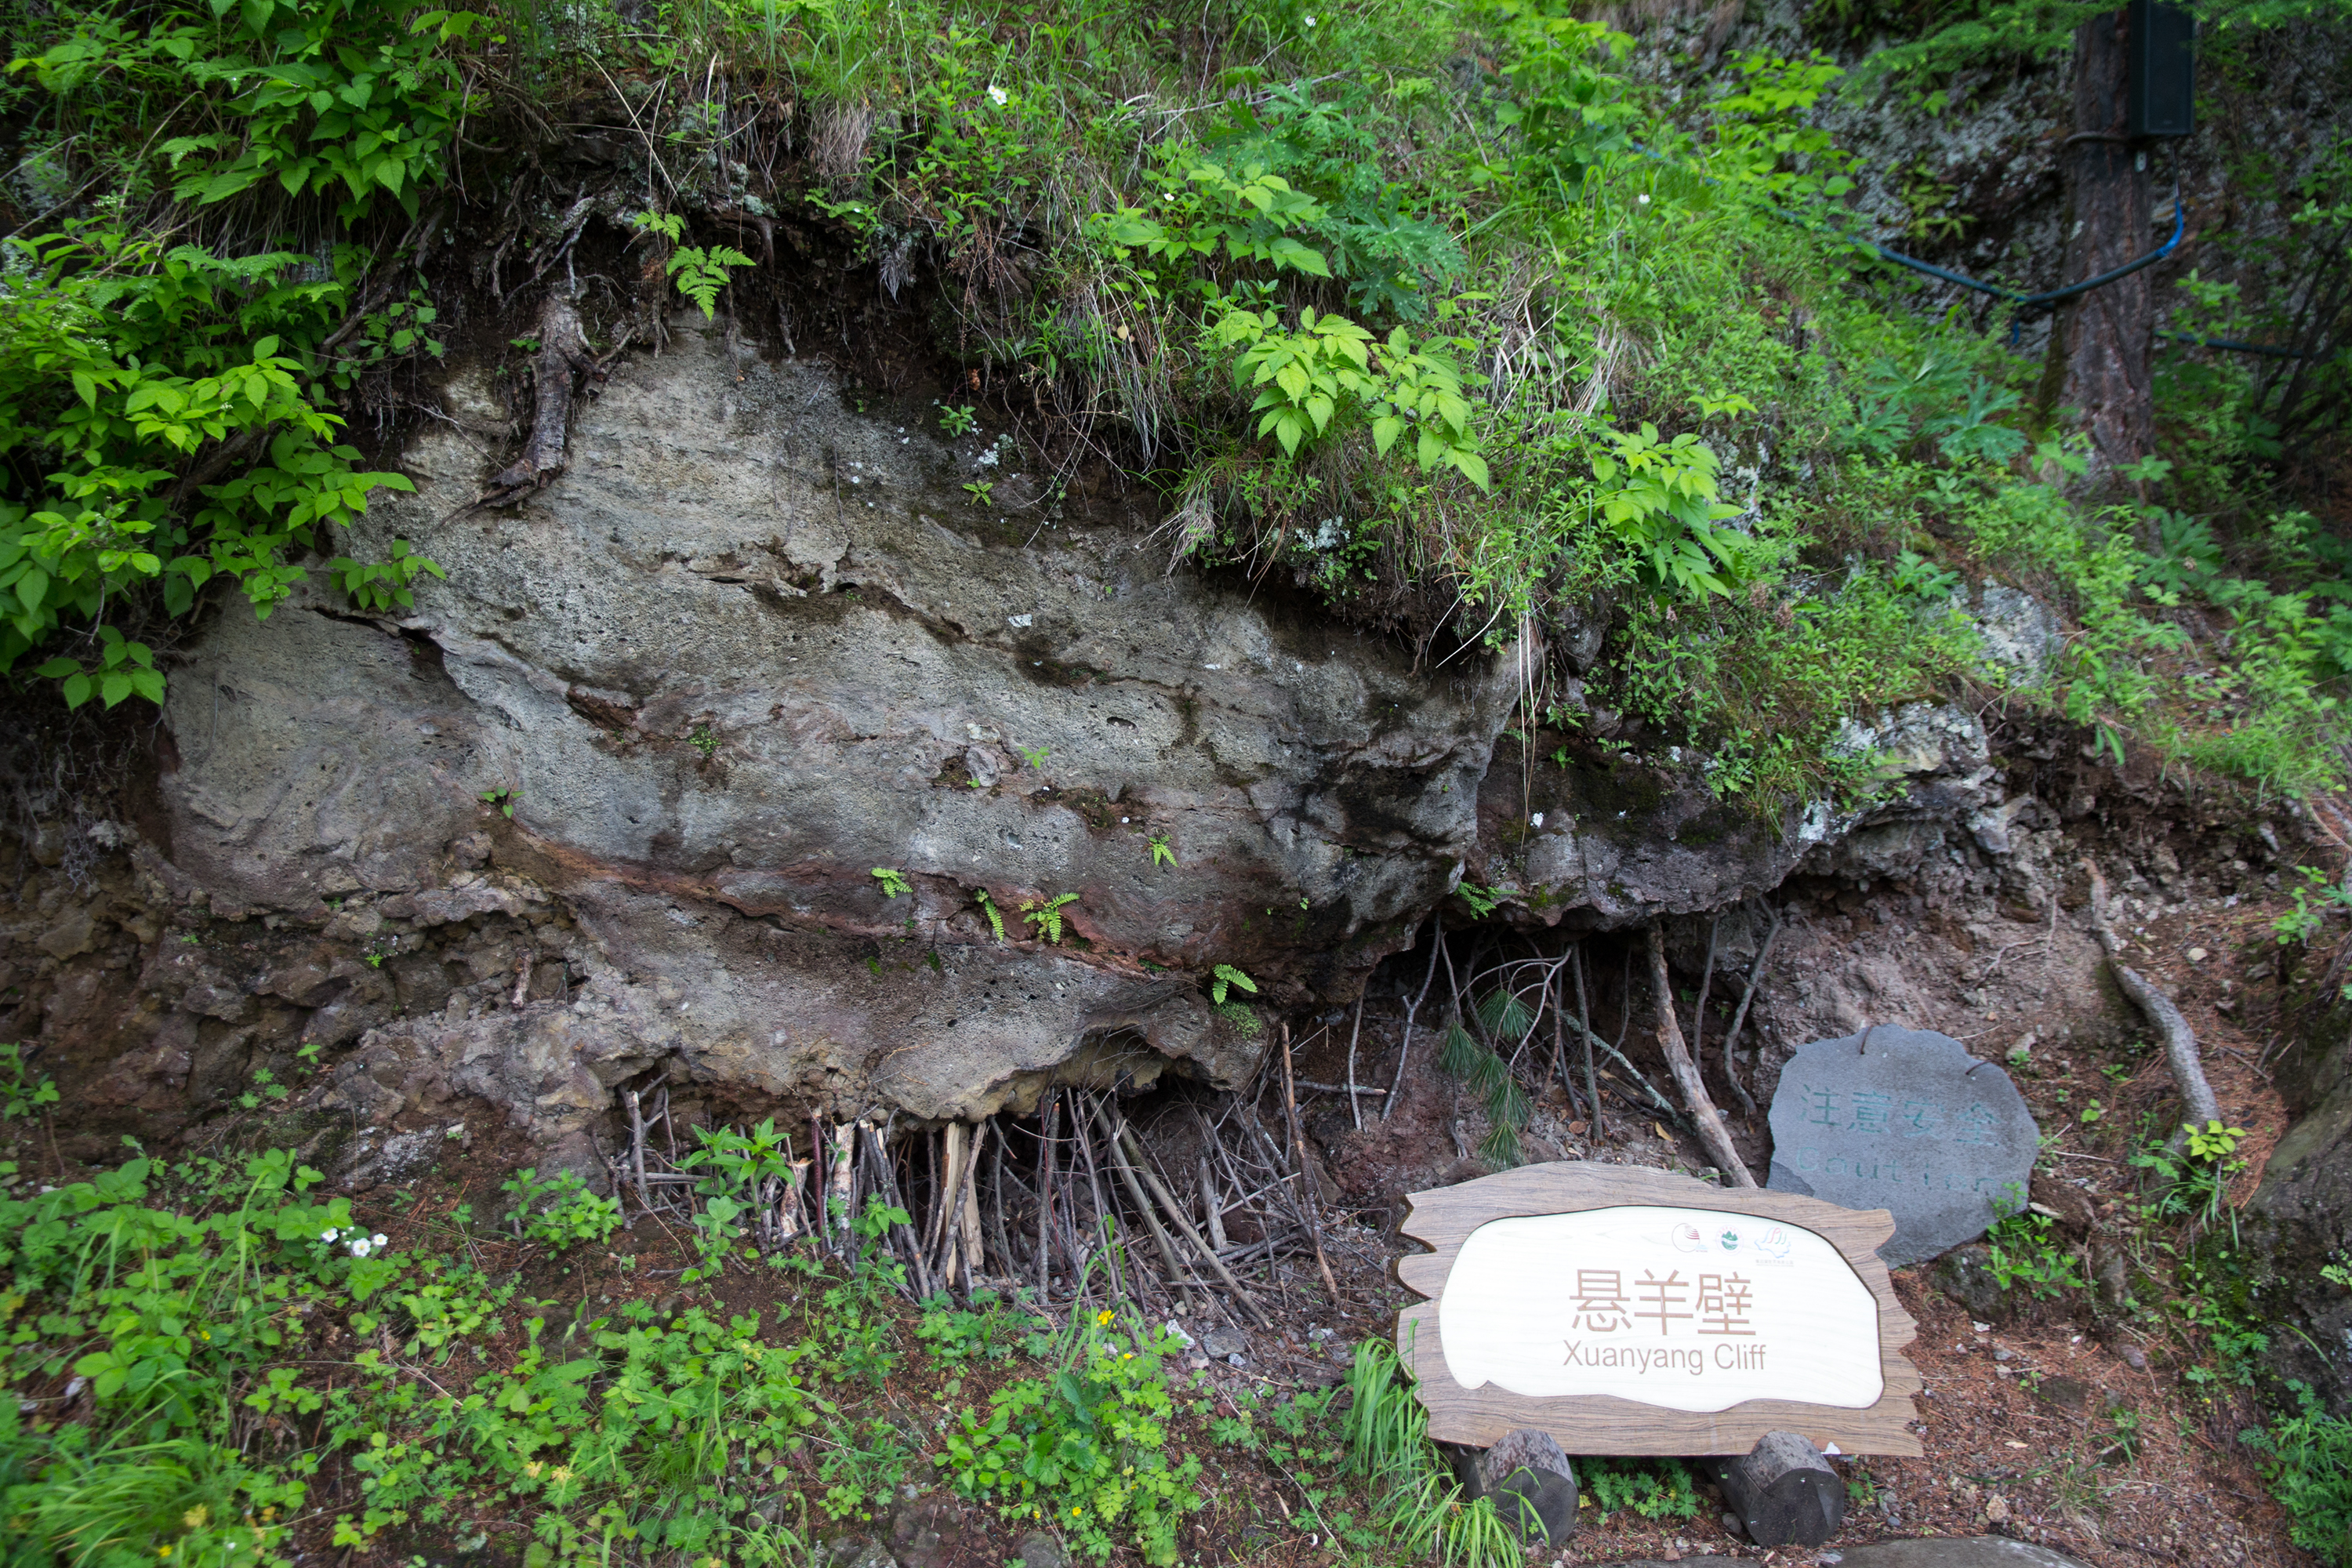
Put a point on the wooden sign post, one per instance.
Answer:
(1627, 1310)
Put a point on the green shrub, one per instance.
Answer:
(560, 1212)
(1085, 1446)
(2308, 1464)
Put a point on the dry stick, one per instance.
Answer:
(996, 1210)
(968, 1212)
(1298, 1136)
(902, 1234)
(1045, 1191)
(1711, 1131)
(945, 1199)
(1698, 1018)
(637, 1149)
(2180, 1040)
(1159, 1233)
(1584, 1027)
(1755, 981)
(1102, 1210)
(1405, 1049)
(1125, 1158)
(839, 1188)
(1210, 1210)
(1357, 1115)
(1124, 1139)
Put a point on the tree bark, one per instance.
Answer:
(2100, 342)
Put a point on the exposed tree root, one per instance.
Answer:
(562, 352)
(1711, 1131)
(2180, 1039)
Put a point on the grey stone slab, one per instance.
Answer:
(1905, 1121)
(1951, 1552)
(1940, 1552)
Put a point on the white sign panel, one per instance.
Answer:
(1689, 1308)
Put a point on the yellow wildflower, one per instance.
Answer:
(1104, 1316)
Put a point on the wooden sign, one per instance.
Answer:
(1627, 1310)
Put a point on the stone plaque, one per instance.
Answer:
(1627, 1310)
(1909, 1121)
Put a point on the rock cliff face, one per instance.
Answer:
(619, 793)
(754, 648)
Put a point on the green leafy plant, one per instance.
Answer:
(1659, 497)
(2315, 898)
(1653, 1488)
(703, 739)
(982, 492)
(558, 1212)
(1330, 376)
(2307, 1460)
(1223, 975)
(1161, 854)
(1035, 756)
(700, 272)
(1087, 1445)
(2022, 1249)
(988, 907)
(1046, 914)
(21, 1094)
(894, 882)
(959, 420)
(503, 800)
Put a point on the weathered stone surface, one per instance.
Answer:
(1608, 841)
(2300, 1217)
(663, 721)
(1909, 1121)
(752, 645)
(2021, 634)
(1955, 1552)
(1965, 1274)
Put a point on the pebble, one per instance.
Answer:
(2133, 1357)
(2196, 955)
(2004, 1355)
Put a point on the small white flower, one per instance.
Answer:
(1643, 198)
(360, 1248)
(1308, 21)
(998, 96)
(328, 1233)
(378, 1239)
(1536, 820)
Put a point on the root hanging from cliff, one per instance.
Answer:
(563, 351)
(1075, 1204)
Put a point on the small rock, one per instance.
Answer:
(1731, 1526)
(2004, 1354)
(2067, 1393)
(1178, 1334)
(1965, 1274)
(1224, 1344)
(2133, 1357)
(854, 1552)
(70, 938)
(1039, 1549)
(1996, 1510)
(2196, 955)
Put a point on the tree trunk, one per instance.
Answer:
(2100, 342)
